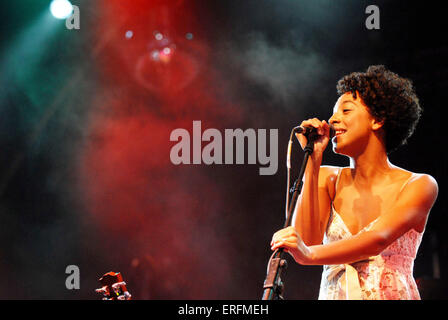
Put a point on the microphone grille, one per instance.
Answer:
(332, 131)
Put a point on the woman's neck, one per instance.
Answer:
(370, 166)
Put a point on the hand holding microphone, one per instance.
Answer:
(312, 130)
(322, 129)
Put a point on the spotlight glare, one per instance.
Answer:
(129, 34)
(155, 55)
(166, 51)
(61, 9)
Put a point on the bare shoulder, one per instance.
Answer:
(425, 178)
(426, 183)
(419, 195)
(327, 178)
(328, 173)
(422, 188)
(421, 179)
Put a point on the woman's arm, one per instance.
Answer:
(313, 205)
(410, 210)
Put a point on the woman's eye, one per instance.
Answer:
(345, 110)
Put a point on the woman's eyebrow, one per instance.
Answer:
(345, 102)
(342, 105)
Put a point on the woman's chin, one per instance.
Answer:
(338, 148)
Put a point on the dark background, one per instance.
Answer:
(85, 120)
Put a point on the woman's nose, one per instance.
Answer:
(333, 119)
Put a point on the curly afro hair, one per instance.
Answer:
(390, 98)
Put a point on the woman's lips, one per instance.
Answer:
(339, 132)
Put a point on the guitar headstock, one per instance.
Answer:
(113, 287)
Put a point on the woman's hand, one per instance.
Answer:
(320, 143)
(290, 241)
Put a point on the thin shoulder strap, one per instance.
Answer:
(334, 195)
(337, 180)
(406, 182)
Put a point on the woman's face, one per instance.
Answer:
(353, 125)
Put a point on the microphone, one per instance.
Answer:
(308, 130)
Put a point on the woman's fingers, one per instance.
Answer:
(315, 123)
(322, 127)
(284, 232)
(284, 243)
(285, 237)
(326, 128)
(290, 241)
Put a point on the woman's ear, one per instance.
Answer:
(377, 124)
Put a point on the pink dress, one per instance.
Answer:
(387, 276)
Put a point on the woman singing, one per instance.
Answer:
(363, 223)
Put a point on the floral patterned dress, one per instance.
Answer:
(387, 276)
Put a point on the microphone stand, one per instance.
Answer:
(273, 285)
